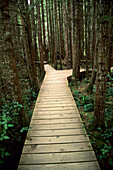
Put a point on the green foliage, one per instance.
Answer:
(82, 100)
(24, 129)
(101, 139)
(3, 154)
(106, 18)
(10, 129)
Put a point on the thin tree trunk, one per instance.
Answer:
(49, 44)
(44, 35)
(94, 52)
(34, 32)
(51, 33)
(78, 40)
(70, 31)
(74, 42)
(66, 34)
(55, 52)
(40, 42)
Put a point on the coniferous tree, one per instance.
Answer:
(11, 52)
(40, 41)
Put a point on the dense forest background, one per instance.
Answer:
(67, 34)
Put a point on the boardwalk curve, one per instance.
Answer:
(57, 139)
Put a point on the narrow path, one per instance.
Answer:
(57, 139)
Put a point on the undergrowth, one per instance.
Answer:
(12, 136)
(102, 140)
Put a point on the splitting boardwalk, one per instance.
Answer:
(57, 139)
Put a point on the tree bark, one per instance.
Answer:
(66, 34)
(31, 51)
(48, 31)
(34, 32)
(11, 52)
(44, 35)
(100, 88)
(40, 42)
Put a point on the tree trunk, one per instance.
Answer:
(31, 51)
(55, 52)
(100, 88)
(74, 44)
(66, 34)
(10, 47)
(49, 44)
(25, 44)
(40, 42)
(44, 35)
(51, 33)
(70, 31)
(78, 40)
(60, 38)
(34, 32)
(93, 51)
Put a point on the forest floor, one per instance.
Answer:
(12, 136)
(102, 140)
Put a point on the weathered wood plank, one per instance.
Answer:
(56, 126)
(35, 120)
(55, 108)
(57, 139)
(52, 116)
(68, 147)
(56, 132)
(52, 121)
(54, 105)
(68, 166)
(74, 111)
(57, 157)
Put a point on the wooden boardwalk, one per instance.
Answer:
(57, 139)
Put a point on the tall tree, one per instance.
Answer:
(44, 34)
(11, 51)
(93, 50)
(31, 51)
(40, 41)
(34, 35)
(48, 30)
(55, 52)
(102, 70)
(66, 34)
(69, 6)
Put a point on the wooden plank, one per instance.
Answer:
(56, 126)
(52, 121)
(57, 158)
(52, 102)
(56, 108)
(52, 116)
(67, 166)
(57, 139)
(54, 148)
(56, 97)
(55, 105)
(49, 133)
(36, 111)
